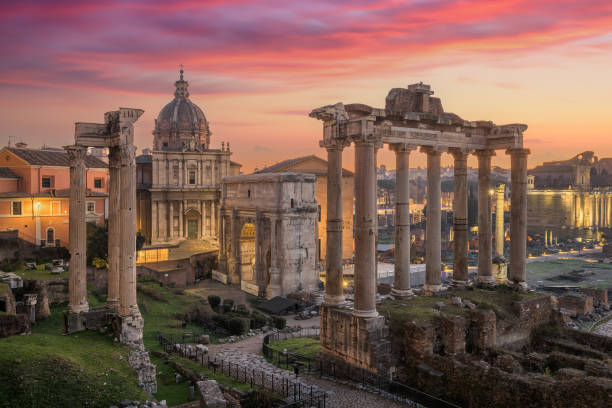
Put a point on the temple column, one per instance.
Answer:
(171, 219)
(518, 216)
(203, 217)
(213, 219)
(77, 282)
(274, 286)
(181, 220)
(460, 264)
(401, 282)
(609, 212)
(499, 220)
(127, 284)
(334, 293)
(485, 259)
(433, 227)
(114, 227)
(365, 228)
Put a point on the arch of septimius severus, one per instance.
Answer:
(411, 119)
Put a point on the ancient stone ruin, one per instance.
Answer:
(412, 118)
(121, 310)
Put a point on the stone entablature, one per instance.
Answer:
(283, 210)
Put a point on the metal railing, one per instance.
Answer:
(344, 372)
(295, 393)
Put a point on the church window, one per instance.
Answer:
(192, 176)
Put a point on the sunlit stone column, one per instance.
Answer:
(274, 286)
(401, 283)
(213, 219)
(77, 282)
(171, 219)
(127, 283)
(365, 228)
(114, 228)
(485, 259)
(333, 255)
(609, 211)
(181, 219)
(518, 216)
(499, 220)
(433, 227)
(460, 264)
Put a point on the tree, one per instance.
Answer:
(97, 242)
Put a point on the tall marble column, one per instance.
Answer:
(518, 216)
(127, 283)
(274, 285)
(460, 264)
(171, 219)
(114, 228)
(77, 282)
(203, 208)
(334, 294)
(433, 232)
(365, 228)
(181, 219)
(485, 259)
(401, 282)
(213, 219)
(608, 211)
(499, 220)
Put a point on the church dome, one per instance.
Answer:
(181, 124)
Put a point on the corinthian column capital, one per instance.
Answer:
(76, 155)
(127, 155)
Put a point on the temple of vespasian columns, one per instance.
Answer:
(411, 118)
(116, 134)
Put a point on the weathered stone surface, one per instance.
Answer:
(577, 304)
(600, 296)
(13, 325)
(7, 299)
(484, 329)
(139, 360)
(210, 394)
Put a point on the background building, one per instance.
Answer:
(35, 193)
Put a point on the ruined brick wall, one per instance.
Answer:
(13, 325)
(600, 296)
(576, 304)
(530, 313)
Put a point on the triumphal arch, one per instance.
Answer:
(267, 227)
(411, 119)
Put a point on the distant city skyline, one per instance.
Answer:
(542, 63)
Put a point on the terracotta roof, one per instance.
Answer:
(5, 172)
(53, 158)
(284, 165)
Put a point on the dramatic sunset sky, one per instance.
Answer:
(257, 68)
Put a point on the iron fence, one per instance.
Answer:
(295, 393)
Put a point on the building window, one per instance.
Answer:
(319, 212)
(16, 207)
(50, 236)
(192, 176)
(46, 182)
(91, 206)
(97, 183)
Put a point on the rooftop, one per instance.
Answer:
(38, 157)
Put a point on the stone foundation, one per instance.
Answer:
(139, 360)
(576, 304)
(129, 329)
(600, 296)
(94, 319)
(359, 341)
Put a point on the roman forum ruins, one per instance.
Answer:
(116, 134)
(411, 118)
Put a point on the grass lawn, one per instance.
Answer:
(303, 346)
(46, 369)
(40, 274)
(538, 272)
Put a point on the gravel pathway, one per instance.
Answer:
(604, 329)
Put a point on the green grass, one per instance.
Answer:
(303, 346)
(538, 272)
(51, 370)
(160, 307)
(40, 274)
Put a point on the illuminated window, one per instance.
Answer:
(91, 206)
(16, 207)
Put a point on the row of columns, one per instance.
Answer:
(122, 230)
(205, 207)
(366, 229)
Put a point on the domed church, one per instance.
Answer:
(179, 180)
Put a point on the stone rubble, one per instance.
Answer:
(138, 404)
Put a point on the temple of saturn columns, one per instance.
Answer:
(121, 310)
(411, 119)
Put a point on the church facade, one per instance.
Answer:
(179, 182)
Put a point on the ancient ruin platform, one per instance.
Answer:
(94, 319)
(358, 341)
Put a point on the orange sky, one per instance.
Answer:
(258, 68)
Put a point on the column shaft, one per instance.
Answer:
(181, 219)
(460, 264)
(213, 219)
(274, 287)
(127, 284)
(518, 216)
(77, 282)
(433, 227)
(485, 259)
(365, 239)
(401, 282)
(499, 220)
(114, 227)
(333, 258)
(171, 219)
(203, 209)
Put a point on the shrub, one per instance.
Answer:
(258, 320)
(242, 309)
(228, 304)
(279, 322)
(221, 321)
(238, 325)
(214, 301)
